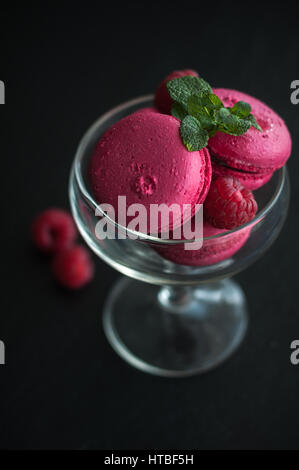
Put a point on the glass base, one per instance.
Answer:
(175, 331)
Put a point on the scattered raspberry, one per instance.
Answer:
(162, 99)
(228, 204)
(73, 267)
(53, 230)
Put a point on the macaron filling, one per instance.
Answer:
(238, 167)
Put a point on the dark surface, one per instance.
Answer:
(62, 386)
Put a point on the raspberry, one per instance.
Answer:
(228, 204)
(73, 267)
(162, 99)
(53, 230)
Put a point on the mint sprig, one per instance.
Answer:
(202, 113)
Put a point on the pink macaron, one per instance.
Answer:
(163, 101)
(148, 109)
(253, 156)
(143, 158)
(212, 251)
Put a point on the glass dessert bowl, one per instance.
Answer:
(166, 318)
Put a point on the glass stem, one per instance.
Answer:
(175, 299)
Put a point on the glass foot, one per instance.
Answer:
(175, 331)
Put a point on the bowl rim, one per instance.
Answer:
(147, 100)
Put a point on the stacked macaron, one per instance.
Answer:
(145, 158)
(249, 159)
(254, 156)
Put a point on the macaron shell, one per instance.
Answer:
(143, 158)
(212, 251)
(250, 181)
(207, 176)
(253, 151)
(148, 109)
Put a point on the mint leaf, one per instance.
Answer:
(197, 106)
(232, 124)
(237, 126)
(206, 122)
(241, 109)
(204, 103)
(181, 88)
(254, 122)
(193, 135)
(178, 111)
(204, 87)
(216, 102)
(200, 108)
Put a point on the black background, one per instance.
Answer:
(62, 386)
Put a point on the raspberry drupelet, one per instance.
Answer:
(229, 204)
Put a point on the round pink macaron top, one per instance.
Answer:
(162, 98)
(143, 158)
(254, 150)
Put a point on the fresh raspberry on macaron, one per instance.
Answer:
(73, 267)
(162, 99)
(53, 230)
(228, 203)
